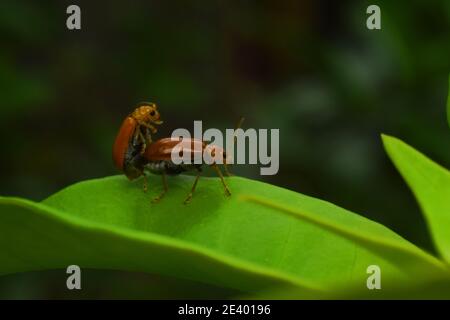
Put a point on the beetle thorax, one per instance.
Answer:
(142, 113)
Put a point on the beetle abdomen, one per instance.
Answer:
(168, 167)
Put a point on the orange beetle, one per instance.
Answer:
(133, 137)
(158, 157)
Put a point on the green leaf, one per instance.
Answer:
(37, 237)
(430, 184)
(235, 242)
(448, 102)
(428, 287)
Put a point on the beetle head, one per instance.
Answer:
(147, 112)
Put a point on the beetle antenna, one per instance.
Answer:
(239, 125)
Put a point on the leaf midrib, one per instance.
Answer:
(351, 234)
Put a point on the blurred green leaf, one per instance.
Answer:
(111, 224)
(430, 184)
(23, 92)
(448, 102)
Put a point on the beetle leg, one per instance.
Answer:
(152, 128)
(189, 197)
(227, 172)
(144, 142)
(166, 187)
(219, 173)
(149, 126)
(136, 136)
(225, 165)
(148, 137)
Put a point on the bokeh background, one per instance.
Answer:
(310, 68)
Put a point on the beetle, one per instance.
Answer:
(133, 137)
(158, 157)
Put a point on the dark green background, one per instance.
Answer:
(310, 68)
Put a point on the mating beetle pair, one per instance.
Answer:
(134, 151)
